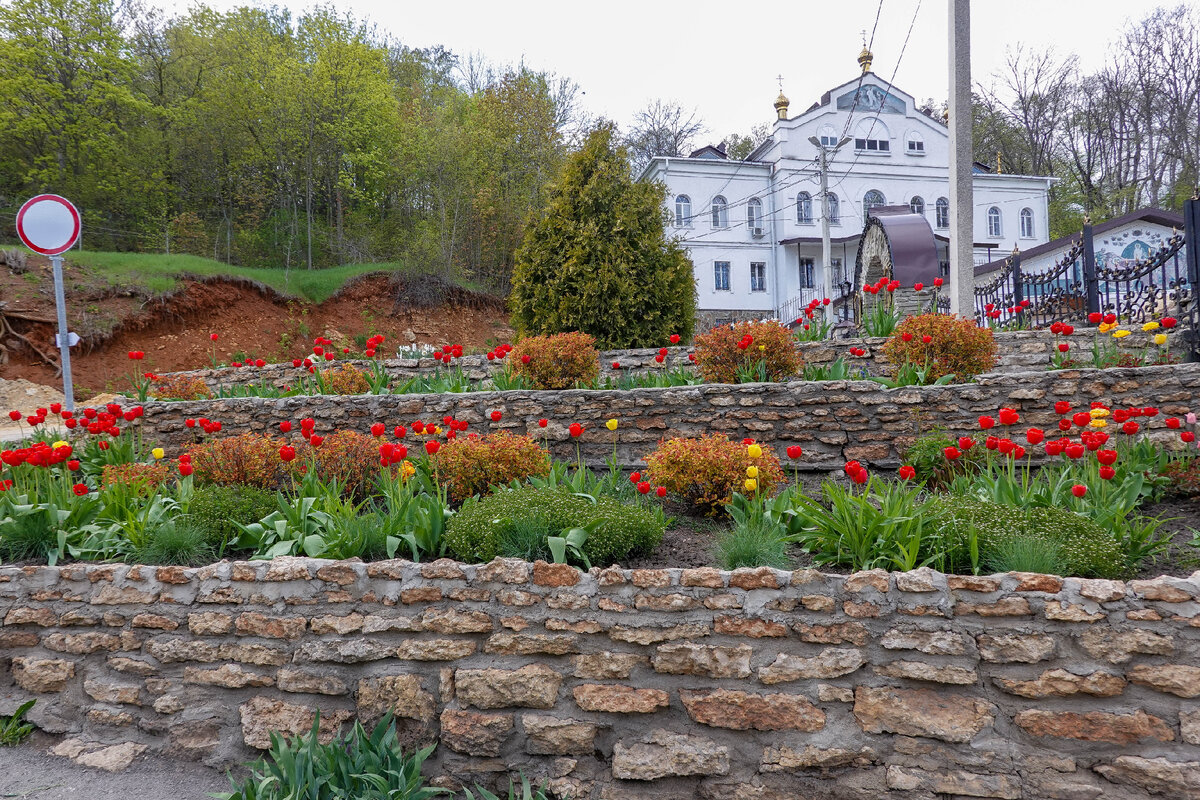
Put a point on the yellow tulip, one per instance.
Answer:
(1098, 413)
(611, 424)
(1107, 326)
(751, 471)
(751, 484)
(762, 347)
(1160, 338)
(407, 470)
(1120, 334)
(59, 443)
(1150, 326)
(1098, 423)
(158, 452)
(754, 450)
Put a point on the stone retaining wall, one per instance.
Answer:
(1019, 351)
(833, 421)
(613, 684)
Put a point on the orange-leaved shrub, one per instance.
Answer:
(557, 361)
(250, 459)
(352, 459)
(470, 466)
(705, 472)
(180, 387)
(956, 346)
(719, 356)
(346, 379)
(139, 478)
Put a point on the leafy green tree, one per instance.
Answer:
(599, 260)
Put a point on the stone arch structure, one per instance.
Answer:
(898, 244)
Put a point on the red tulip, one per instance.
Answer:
(15, 416)
(794, 452)
(1095, 317)
(212, 336)
(661, 491)
(1062, 407)
(635, 477)
(1187, 436)
(1079, 490)
(496, 416)
(907, 472)
(1005, 446)
(616, 365)
(674, 338)
(1074, 451)
(1109, 319)
(1009, 416)
(543, 423)
(285, 427)
(399, 431)
(926, 339)
(432, 446)
(1172, 422)
(937, 282)
(951, 453)
(525, 359)
(860, 477)
(185, 468)
(378, 429)
(1130, 428)
(1149, 411)
(986, 422)
(966, 442)
(906, 336)
(575, 429)
(919, 286)
(1064, 347)
(659, 358)
(80, 489)
(315, 440)
(1168, 322)
(643, 487)
(1107, 473)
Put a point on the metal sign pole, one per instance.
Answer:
(64, 337)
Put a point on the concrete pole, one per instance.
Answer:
(962, 196)
(826, 246)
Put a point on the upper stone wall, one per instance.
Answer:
(615, 684)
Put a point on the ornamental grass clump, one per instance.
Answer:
(704, 472)
(471, 466)
(747, 351)
(941, 345)
(557, 361)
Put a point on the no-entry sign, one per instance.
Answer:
(48, 224)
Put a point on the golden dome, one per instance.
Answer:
(865, 58)
(781, 105)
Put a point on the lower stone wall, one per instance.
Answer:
(1019, 351)
(614, 684)
(833, 421)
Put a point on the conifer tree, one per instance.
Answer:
(598, 260)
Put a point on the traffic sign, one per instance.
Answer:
(48, 224)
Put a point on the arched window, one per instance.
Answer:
(804, 208)
(835, 211)
(683, 211)
(754, 215)
(870, 200)
(871, 136)
(943, 213)
(1027, 223)
(914, 145)
(917, 205)
(720, 212)
(995, 229)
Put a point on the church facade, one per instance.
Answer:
(753, 227)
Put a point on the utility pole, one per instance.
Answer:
(962, 198)
(826, 245)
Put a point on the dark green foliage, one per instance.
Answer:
(475, 533)
(1026, 554)
(526, 537)
(1085, 549)
(357, 765)
(180, 542)
(14, 729)
(522, 792)
(927, 456)
(218, 510)
(27, 536)
(599, 260)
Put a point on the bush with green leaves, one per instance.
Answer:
(355, 765)
(927, 456)
(219, 510)
(180, 542)
(475, 534)
(1085, 549)
(598, 260)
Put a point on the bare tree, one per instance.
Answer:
(1036, 84)
(663, 128)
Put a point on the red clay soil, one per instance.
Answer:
(251, 321)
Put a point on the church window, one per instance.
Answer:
(835, 212)
(870, 200)
(758, 276)
(1027, 223)
(754, 215)
(683, 211)
(721, 276)
(917, 205)
(943, 213)
(804, 209)
(995, 229)
(720, 212)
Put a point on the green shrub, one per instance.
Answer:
(357, 765)
(557, 361)
(470, 466)
(755, 544)
(957, 347)
(770, 355)
(927, 456)
(474, 534)
(526, 538)
(218, 510)
(1026, 554)
(1087, 550)
(705, 472)
(598, 260)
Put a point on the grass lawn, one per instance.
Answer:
(156, 273)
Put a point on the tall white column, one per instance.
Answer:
(962, 196)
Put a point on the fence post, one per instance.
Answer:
(1091, 285)
(1191, 239)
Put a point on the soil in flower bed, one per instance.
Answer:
(1182, 522)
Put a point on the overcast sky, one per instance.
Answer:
(722, 59)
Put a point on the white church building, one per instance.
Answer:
(753, 227)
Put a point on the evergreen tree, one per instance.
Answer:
(599, 261)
